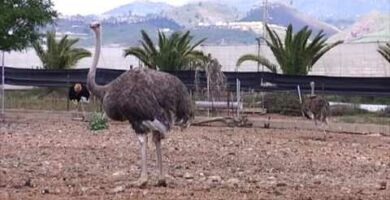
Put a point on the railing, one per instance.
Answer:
(257, 81)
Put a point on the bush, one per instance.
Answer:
(285, 103)
(385, 112)
(98, 121)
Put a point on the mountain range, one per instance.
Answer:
(227, 23)
(282, 14)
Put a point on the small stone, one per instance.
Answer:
(382, 185)
(118, 189)
(84, 189)
(317, 182)
(281, 184)
(28, 183)
(233, 182)
(188, 176)
(215, 179)
(45, 191)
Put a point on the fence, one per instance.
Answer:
(257, 81)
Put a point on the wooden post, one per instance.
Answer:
(228, 101)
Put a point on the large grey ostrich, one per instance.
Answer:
(148, 99)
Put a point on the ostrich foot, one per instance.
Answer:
(161, 183)
(140, 183)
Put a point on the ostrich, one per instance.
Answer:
(79, 94)
(316, 107)
(150, 100)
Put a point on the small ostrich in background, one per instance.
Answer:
(316, 107)
(148, 99)
(79, 95)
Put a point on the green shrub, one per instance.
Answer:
(385, 112)
(98, 121)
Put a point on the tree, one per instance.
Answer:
(172, 53)
(20, 21)
(297, 54)
(61, 54)
(384, 50)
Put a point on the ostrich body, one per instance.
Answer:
(79, 94)
(148, 99)
(317, 108)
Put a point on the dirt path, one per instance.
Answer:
(53, 157)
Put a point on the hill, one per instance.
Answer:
(340, 12)
(283, 15)
(368, 28)
(191, 15)
(139, 7)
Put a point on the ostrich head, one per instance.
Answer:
(95, 26)
(77, 88)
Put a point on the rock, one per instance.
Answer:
(188, 176)
(84, 189)
(281, 184)
(215, 179)
(382, 185)
(119, 173)
(45, 191)
(118, 189)
(116, 176)
(233, 182)
(317, 182)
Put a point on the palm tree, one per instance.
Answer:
(172, 53)
(384, 50)
(297, 54)
(61, 54)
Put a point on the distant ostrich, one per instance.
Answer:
(79, 94)
(148, 99)
(316, 107)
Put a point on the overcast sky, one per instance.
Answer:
(70, 7)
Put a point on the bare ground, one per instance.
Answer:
(45, 156)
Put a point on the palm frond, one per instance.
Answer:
(384, 50)
(259, 59)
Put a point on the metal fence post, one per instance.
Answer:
(2, 84)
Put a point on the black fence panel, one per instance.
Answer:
(378, 86)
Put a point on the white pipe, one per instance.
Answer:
(312, 85)
(218, 104)
(238, 91)
(299, 94)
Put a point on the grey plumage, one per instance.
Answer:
(317, 108)
(148, 99)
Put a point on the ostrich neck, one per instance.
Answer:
(96, 89)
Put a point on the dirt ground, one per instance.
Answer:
(45, 156)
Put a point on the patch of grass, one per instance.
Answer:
(38, 99)
(369, 118)
(98, 121)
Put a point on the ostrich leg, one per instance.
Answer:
(157, 136)
(84, 116)
(143, 180)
